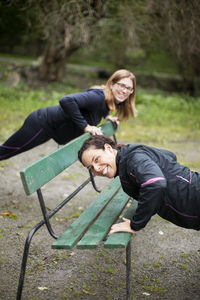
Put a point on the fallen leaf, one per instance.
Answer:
(146, 294)
(6, 214)
(58, 219)
(88, 292)
(42, 288)
(10, 215)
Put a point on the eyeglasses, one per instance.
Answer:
(125, 87)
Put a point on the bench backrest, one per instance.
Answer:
(39, 173)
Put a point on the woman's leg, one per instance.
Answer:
(27, 137)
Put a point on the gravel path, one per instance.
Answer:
(165, 258)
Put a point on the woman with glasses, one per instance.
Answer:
(76, 113)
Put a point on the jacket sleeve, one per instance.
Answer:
(152, 184)
(171, 155)
(73, 104)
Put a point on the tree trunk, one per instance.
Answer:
(53, 64)
(54, 61)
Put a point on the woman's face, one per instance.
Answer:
(122, 89)
(100, 162)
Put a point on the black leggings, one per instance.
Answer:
(27, 137)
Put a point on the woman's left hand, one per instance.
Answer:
(114, 120)
(122, 227)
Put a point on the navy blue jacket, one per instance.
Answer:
(160, 185)
(67, 120)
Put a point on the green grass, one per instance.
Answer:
(162, 118)
(16, 56)
(156, 62)
(16, 103)
(159, 61)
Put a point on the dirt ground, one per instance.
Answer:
(165, 258)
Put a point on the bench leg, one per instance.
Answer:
(25, 257)
(45, 215)
(128, 271)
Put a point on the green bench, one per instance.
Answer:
(90, 229)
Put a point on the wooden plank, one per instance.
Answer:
(48, 167)
(121, 239)
(39, 173)
(101, 226)
(76, 230)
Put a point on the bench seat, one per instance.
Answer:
(92, 226)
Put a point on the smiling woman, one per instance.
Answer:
(75, 114)
(150, 175)
(120, 92)
(100, 161)
(98, 155)
(122, 89)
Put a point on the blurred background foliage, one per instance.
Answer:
(51, 48)
(143, 35)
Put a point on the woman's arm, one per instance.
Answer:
(152, 186)
(87, 101)
(143, 172)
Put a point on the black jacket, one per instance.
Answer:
(160, 185)
(67, 120)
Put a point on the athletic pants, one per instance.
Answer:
(30, 135)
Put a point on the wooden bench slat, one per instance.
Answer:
(101, 226)
(76, 230)
(39, 173)
(121, 239)
(108, 128)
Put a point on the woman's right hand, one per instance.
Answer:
(114, 120)
(93, 130)
(122, 227)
